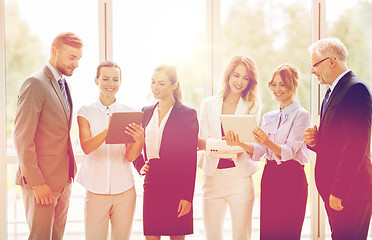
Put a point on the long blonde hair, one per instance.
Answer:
(249, 95)
(171, 72)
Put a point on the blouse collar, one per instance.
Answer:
(241, 108)
(293, 106)
(112, 108)
(283, 113)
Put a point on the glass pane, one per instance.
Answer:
(272, 32)
(16, 224)
(28, 37)
(163, 32)
(350, 21)
(30, 27)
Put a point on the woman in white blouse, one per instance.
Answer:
(281, 142)
(228, 173)
(105, 170)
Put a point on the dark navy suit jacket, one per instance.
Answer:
(343, 165)
(178, 151)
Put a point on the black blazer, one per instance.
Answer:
(178, 149)
(343, 165)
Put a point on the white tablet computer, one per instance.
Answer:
(119, 121)
(240, 124)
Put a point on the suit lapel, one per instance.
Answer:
(147, 114)
(169, 126)
(57, 90)
(337, 91)
(171, 117)
(218, 112)
(241, 108)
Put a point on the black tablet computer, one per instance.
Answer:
(119, 121)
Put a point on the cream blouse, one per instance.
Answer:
(154, 133)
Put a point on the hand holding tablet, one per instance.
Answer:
(118, 125)
(243, 125)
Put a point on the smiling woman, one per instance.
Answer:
(106, 171)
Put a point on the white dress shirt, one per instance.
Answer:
(54, 71)
(154, 133)
(105, 170)
(334, 84)
(286, 128)
(337, 80)
(210, 129)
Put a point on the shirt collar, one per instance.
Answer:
(293, 106)
(54, 71)
(112, 108)
(338, 79)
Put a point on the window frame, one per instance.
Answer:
(3, 157)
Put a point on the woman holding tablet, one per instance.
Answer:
(171, 131)
(227, 175)
(280, 139)
(105, 170)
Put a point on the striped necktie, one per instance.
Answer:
(62, 86)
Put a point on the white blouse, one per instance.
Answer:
(286, 128)
(154, 133)
(105, 170)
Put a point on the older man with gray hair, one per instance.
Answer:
(343, 169)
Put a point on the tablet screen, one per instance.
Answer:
(240, 124)
(119, 121)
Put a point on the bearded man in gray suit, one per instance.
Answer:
(42, 140)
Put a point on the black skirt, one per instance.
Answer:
(283, 200)
(162, 195)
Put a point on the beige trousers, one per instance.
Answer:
(116, 208)
(227, 189)
(46, 221)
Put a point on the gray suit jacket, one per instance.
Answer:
(42, 133)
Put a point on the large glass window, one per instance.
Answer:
(147, 34)
(272, 33)
(30, 27)
(186, 34)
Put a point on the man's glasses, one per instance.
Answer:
(316, 64)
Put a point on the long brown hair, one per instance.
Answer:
(171, 72)
(249, 94)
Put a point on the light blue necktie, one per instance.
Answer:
(61, 83)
